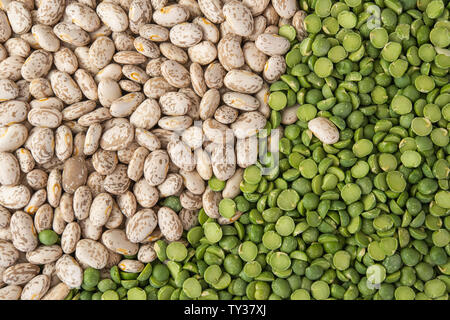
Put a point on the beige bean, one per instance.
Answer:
(226, 115)
(74, 174)
(90, 231)
(20, 274)
(254, 58)
(223, 161)
(175, 74)
(275, 67)
(83, 16)
(91, 253)
(230, 52)
(113, 16)
(263, 98)
(8, 90)
(9, 170)
(212, 9)
(241, 101)
(192, 7)
(210, 201)
(54, 188)
(19, 17)
(175, 123)
(239, 17)
(104, 162)
(127, 203)
(10, 68)
(117, 182)
(156, 87)
(197, 79)
(146, 195)
(324, 130)
(170, 224)
(272, 44)
(65, 60)
(5, 217)
(17, 47)
(43, 218)
(45, 37)
(154, 32)
(50, 11)
(100, 209)
(115, 218)
(146, 253)
(69, 271)
(45, 117)
(8, 254)
(171, 15)
(193, 137)
(10, 292)
(82, 199)
(172, 52)
(36, 288)
(128, 265)
(257, 7)
(217, 132)
(147, 139)
(70, 237)
(63, 143)
(210, 31)
(101, 52)
(135, 74)
(193, 182)
(125, 105)
(171, 186)
(139, 13)
(58, 292)
(186, 34)
(117, 137)
(116, 240)
(71, 33)
(123, 41)
(246, 151)
(156, 166)
(37, 179)
(13, 111)
(285, 8)
(112, 71)
(65, 87)
(37, 65)
(58, 224)
(14, 197)
(41, 143)
(129, 57)
(174, 104)
(190, 201)
(86, 83)
(181, 155)
(23, 232)
(5, 27)
(248, 124)
(243, 81)
(141, 225)
(146, 114)
(209, 103)
(203, 164)
(36, 200)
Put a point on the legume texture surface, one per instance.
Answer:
(106, 194)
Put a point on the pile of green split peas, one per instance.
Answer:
(364, 218)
